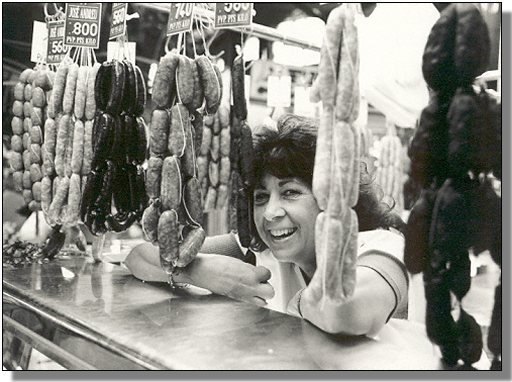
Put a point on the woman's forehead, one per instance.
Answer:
(269, 180)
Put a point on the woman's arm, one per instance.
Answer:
(223, 275)
(365, 312)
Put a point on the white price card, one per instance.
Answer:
(251, 50)
(229, 15)
(39, 42)
(83, 25)
(279, 91)
(301, 103)
(118, 21)
(180, 18)
(117, 51)
(56, 50)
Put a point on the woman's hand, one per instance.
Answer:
(231, 277)
(220, 274)
(144, 263)
(365, 312)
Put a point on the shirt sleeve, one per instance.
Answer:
(384, 254)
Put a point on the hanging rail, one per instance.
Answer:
(257, 30)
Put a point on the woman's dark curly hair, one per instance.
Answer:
(289, 152)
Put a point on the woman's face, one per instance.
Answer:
(285, 212)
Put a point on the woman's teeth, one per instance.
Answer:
(282, 233)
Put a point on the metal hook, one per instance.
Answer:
(56, 15)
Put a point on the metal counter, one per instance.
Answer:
(86, 315)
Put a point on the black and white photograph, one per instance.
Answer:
(249, 187)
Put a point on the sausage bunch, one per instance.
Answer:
(114, 195)
(213, 162)
(183, 90)
(30, 108)
(67, 142)
(336, 169)
(241, 158)
(455, 154)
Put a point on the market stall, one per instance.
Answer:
(117, 143)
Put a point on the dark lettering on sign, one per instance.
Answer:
(82, 25)
(233, 14)
(180, 18)
(118, 20)
(56, 50)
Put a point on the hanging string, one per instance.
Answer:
(184, 43)
(178, 44)
(206, 49)
(193, 40)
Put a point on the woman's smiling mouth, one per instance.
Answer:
(281, 234)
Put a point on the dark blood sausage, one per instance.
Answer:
(417, 233)
(246, 155)
(141, 92)
(495, 334)
(129, 97)
(104, 128)
(438, 67)
(238, 84)
(472, 44)
(243, 216)
(470, 338)
(428, 150)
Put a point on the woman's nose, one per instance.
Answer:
(273, 209)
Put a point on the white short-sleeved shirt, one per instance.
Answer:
(381, 250)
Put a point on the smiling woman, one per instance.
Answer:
(284, 214)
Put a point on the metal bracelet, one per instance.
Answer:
(176, 271)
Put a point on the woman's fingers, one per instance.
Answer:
(257, 301)
(265, 291)
(262, 273)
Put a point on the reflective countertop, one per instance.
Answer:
(190, 328)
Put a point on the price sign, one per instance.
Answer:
(180, 18)
(82, 25)
(39, 42)
(279, 91)
(233, 15)
(302, 105)
(118, 22)
(56, 50)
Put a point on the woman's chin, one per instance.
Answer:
(283, 254)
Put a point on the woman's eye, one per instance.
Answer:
(260, 198)
(291, 193)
